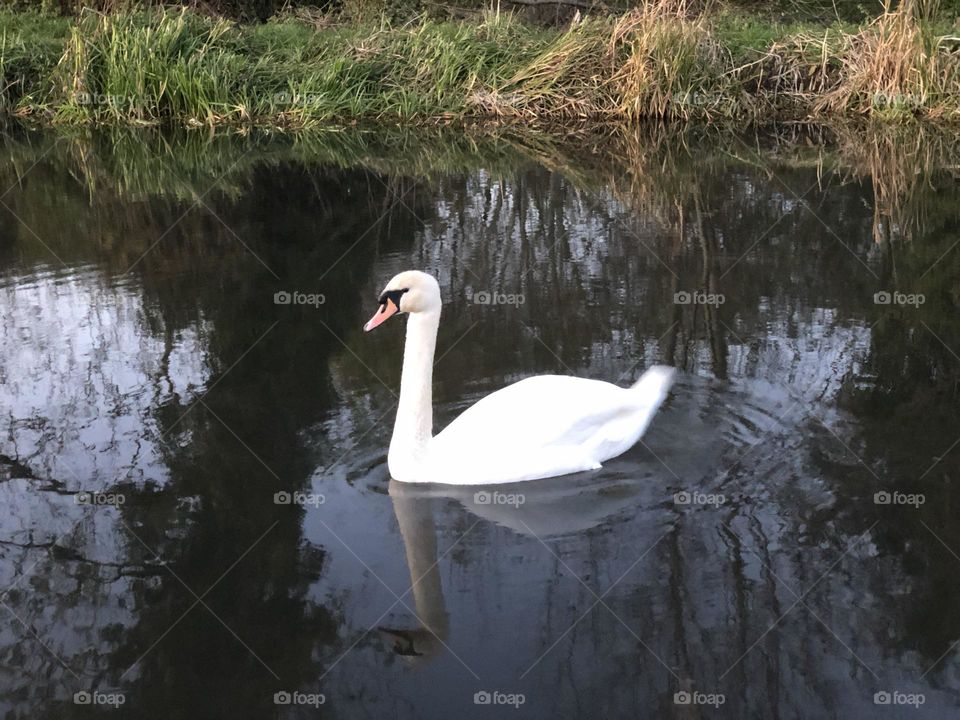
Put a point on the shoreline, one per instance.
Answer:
(656, 62)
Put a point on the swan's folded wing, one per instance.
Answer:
(537, 411)
(542, 426)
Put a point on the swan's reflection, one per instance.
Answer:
(538, 509)
(418, 530)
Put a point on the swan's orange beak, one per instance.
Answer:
(387, 309)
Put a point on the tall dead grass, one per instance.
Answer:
(895, 67)
(670, 63)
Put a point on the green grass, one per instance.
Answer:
(30, 46)
(748, 35)
(178, 67)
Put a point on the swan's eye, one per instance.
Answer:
(392, 295)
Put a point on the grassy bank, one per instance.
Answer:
(661, 59)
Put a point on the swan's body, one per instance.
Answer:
(539, 427)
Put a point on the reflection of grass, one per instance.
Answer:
(657, 170)
(899, 166)
(663, 59)
(650, 163)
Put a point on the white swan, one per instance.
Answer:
(536, 428)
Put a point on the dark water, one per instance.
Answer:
(142, 356)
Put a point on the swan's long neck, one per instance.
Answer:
(414, 426)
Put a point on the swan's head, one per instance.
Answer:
(409, 292)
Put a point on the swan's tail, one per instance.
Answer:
(654, 385)
(648, 392)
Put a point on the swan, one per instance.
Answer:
(539, 427)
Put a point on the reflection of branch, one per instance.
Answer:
(668, 356)
(29, 545)
(59, 552)
(17, 469)
(708, 244)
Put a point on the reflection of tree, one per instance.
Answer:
(226, 456)
(241, 444)
(910, 380)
